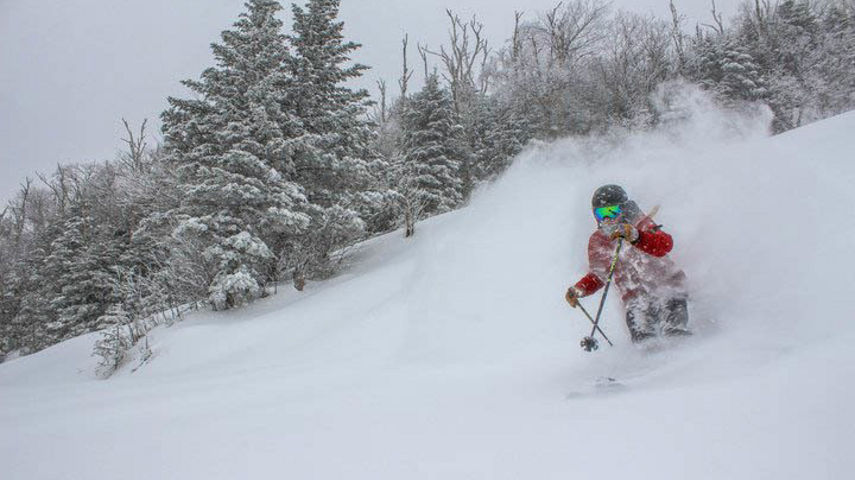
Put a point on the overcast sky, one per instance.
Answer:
(71, 69)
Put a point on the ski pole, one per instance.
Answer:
(596, 326)
(589, 343)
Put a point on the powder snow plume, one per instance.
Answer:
(750, 225)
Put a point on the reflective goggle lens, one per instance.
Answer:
(612, 211)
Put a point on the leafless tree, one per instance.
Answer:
(412, 204)
(380, 109)
(135, 156)
(678, 36)
(423, 53)
(758, 16)
(516, 39)
(464, 59)
(719, 24)
(572, 30)
(20, 207)
(406, 73)
(60, 185)
(637, 60)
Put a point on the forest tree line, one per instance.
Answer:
(274, 166)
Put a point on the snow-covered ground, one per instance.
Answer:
(453, 355)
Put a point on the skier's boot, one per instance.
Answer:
(676, 318)
(637, 322)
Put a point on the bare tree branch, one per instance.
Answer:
(406, 74)
(19, 212)
(381, 86)
(677, 36)
(423, 52)
(464, 59)
(516, 44)
(571, 30)
(719, 24)
(136, 147)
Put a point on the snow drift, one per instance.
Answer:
(453, 355)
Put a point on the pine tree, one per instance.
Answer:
(234, 148)
(794, 34)
(77, 270)
(36, 290)
(25, 330)
(783, 41)
(432, 152)
(327, 108)
(497, 134)
(723, 66)
(836, 63)
(798, 15)
(335, 171)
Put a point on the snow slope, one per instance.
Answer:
(453, 355)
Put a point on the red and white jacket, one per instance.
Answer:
(643, 267)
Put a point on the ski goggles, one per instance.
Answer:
(611, 211)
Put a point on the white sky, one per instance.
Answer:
(71, 69)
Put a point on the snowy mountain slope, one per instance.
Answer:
(453, 355)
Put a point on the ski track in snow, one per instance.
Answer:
(453, 354)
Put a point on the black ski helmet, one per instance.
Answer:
(609, 195)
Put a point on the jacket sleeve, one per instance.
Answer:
(653, 241)
(589, 284)
(598, 265)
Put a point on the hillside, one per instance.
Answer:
(453, 355)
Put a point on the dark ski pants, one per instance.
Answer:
(645, 315)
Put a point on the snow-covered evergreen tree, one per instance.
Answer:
(328, 109)
(496, 134)
(836, 62)
(726, 68)
(27, 330)
(783, 39)
(335, 172)
(234, 147)
(77, 270)
(432, 152)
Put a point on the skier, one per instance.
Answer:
(652, 287)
